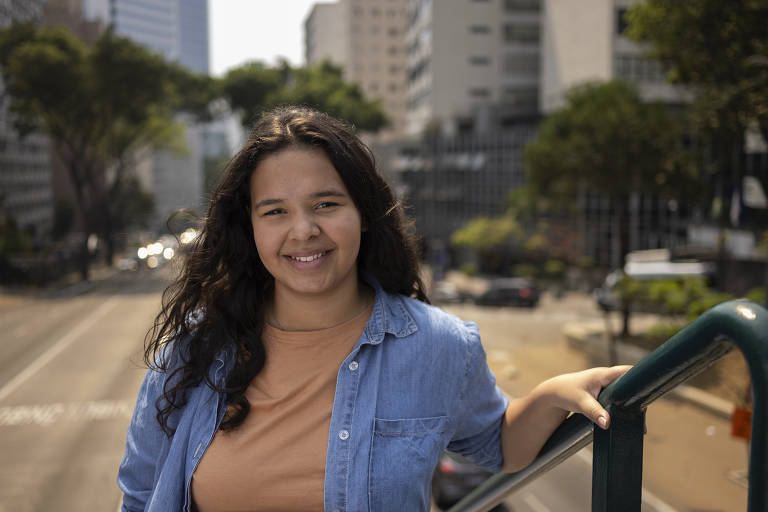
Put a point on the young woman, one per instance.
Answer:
(296, 363)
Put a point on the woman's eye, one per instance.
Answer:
(276, 211)
(326, 204)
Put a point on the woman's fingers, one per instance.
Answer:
(591, 408)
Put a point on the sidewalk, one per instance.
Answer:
(688, 450)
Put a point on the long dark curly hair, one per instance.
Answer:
(218, 301)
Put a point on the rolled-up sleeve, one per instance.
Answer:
(478, 433)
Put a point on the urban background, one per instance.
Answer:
(610, 153)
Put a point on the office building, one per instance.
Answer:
(25, 164)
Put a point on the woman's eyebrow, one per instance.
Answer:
(316, 195)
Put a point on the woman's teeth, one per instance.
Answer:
(307, 258)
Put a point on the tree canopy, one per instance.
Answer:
(99, 104)
(720, 49)
(254, 87)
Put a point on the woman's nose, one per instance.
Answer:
(304, 227)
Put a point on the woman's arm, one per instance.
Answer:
(530, 420)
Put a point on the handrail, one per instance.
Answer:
(617, 455)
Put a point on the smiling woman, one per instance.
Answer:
(296, 363)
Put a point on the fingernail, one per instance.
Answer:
(603, 422)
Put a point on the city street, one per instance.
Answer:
(70, 367)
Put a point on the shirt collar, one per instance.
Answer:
(389, 314)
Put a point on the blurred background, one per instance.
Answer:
(601, 163)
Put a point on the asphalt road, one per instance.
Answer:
(70, 367)
(69, 373)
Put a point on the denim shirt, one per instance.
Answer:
(415, 383)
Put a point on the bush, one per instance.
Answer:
(469, 269)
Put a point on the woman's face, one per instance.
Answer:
(305, 224)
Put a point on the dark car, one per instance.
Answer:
(454, 478)
(514, 291)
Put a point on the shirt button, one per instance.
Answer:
(344, 435)
(353, 366)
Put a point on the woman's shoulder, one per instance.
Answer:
(435, 322)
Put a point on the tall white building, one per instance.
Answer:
(366, 38)
(583, 41)
(471, 63)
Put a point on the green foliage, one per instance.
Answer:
(255, 87)
(101, 104)
(485, 233)
(248, 87)
(554, 268)
(524, 270)
(756, 295)
(323, 87)
(688, 297)
(469, 269)
(718, 48)
(12, 239)
(607, 139)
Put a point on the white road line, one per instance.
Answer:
(57, 347)
(46, 415)
(533, 502)
(647, 497)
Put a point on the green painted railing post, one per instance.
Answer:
(617, 462)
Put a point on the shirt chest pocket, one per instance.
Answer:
(404, 453)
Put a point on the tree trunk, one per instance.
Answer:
(622, 224)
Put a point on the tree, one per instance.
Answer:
(99, 104)
(253, 87)
(720, 51)
(608, 140)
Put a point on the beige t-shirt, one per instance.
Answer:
(275, 460)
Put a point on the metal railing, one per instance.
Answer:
(618, 451)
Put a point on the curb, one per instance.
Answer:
(590, 338)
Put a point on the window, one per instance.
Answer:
(479, 92)
(522, 5)
(375, 12)
(479, 60)
(621, 21)
(520, 97)
(479, 29)
(519, 33)
(392, 50)
(516, 63)
(392, 31)
(637, 68)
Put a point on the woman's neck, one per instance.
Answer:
(292, 312)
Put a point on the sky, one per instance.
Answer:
(243, 30)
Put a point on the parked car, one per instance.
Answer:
(516, 291)
(454, 478)
(445, 292)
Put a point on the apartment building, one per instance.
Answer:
(584, 41)
(473, 65)
(25, 164)
(365, 38)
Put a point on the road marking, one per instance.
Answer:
(57, 348)
(647, 497)
(45, 415)
(533, 502)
